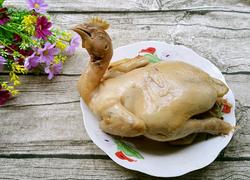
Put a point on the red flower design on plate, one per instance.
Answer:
(150, 50)
(122, 156)
(125, 150)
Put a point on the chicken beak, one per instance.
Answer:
(84, 32)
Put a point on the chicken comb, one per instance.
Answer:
(99, 22)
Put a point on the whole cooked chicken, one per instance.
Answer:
(134, 97)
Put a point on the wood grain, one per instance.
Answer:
(46, 119)
(221, 37)
(38, 90)
(41, 131)
(141, 5)
(62, 137)
(60, 168)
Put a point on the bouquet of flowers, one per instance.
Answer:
(28, 43)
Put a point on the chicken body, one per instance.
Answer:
(157, 101)
(134, 97)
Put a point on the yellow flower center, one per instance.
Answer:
(36, 6)
(46, 52)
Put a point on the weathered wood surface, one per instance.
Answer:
(38, 90)
(226, 45)
(61, 168)
(141, 5)
(222, 37)
(51, 118)
(41, 131)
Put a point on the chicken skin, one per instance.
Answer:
(134, 97)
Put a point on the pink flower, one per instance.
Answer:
(4, 18)
(53, 69)
(31, 61)
(38, 5)
(48, 53)
(17, 38)
(4, 95)
(2, 61)
(74, 43)
(42, 27)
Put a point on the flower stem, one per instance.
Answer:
(22, 56)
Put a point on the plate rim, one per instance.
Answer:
(200, 166)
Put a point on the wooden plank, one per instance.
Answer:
(59, 168)
(140, 5)
(217, 30)
(240, 84)
(239, 146)
(221, 37)
(46, 119)
(52, 148)
(42, 123)
(21, 140)
(39, 91)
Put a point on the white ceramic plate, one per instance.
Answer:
(153, 158)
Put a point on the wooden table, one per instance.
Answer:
(41, 131)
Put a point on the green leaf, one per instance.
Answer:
(1, 3)
(127, 149)
(152, 58)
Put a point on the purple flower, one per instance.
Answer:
(74, 43)
(2, 61)
(31, 61)
(42, 27)
(4, 18)
(38, 5)
(53, 69)
(48, 53)
(4, 95)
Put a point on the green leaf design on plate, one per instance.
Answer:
(152, 58)
(127, 149)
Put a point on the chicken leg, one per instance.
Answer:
(117, 120)
(211, 125)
